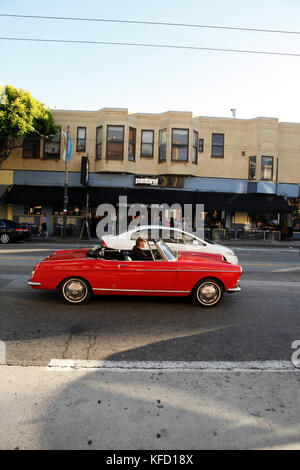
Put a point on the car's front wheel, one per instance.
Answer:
(4, 238)
(208, 292)
(75, 290)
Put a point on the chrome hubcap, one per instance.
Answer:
(75, 290)
(208, 293)
(4, 238)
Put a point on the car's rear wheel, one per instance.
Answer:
(4, 238)
(208, 292)
(75, 290)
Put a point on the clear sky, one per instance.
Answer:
(152, 80)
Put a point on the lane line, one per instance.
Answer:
(201, 366)
(20, 257)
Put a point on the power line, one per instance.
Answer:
(153, 23)
(163, 46)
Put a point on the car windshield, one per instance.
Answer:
(167, 251)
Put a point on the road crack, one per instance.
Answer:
(92, 342)
(67, 347)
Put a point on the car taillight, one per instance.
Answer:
(21, 230)
(103, 243)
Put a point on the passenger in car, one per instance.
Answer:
(137, 252)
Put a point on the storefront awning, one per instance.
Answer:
(140, 196)
(233, 202)
(19, 194)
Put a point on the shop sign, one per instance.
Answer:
(159, 181)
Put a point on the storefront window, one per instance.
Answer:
(31, 146)
(147, 144)
(217, 146)
(115, 143)
(162, 150)
(252, 168)
(131, 144)
(52, 147)
(33, 210)
(74, 210)
(98, 142)
(180, 145)
(266, 168)
(81, 139)
(295, 214)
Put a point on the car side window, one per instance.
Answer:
(140, 233)
(172, 236)
(190, 240)
(2, 224)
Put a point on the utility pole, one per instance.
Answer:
(66, 185)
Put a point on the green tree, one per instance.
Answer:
(20, 116)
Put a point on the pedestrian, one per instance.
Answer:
(44, 232)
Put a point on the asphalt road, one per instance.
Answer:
(258, 324)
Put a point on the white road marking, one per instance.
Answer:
(2, 353)
(250, 282)
(201, 366)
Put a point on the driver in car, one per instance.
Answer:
(137, 252)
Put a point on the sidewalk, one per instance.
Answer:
(231, 243)
(49, 408)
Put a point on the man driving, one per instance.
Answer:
(138, 253)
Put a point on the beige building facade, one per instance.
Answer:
(245, 172)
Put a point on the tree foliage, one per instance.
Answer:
(22, 115)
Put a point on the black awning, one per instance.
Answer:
(235, 202)
(23, 194)
(140, 196)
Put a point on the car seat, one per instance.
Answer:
(126, 256)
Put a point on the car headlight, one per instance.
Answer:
(34, 269)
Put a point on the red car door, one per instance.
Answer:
(104, 275)
(148, 276)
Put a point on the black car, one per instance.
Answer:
(12, 231)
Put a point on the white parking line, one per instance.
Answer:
(2, 353)
(200, 366)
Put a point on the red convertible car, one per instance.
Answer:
(103, 271)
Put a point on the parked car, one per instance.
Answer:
(77, 274)
(12, 231)
(175, 238)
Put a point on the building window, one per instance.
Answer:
(201, 145)
(147, 144)
(31, 146)
(81, 139)
(180, 145)
(217, 146)
(252, 168)
(52, 147)
(98, 143)
(115, 143)
(195, 147)
(162, 146)
(266, 168)
(131, 144)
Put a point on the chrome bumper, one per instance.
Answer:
(30, 283)
(237, 288)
